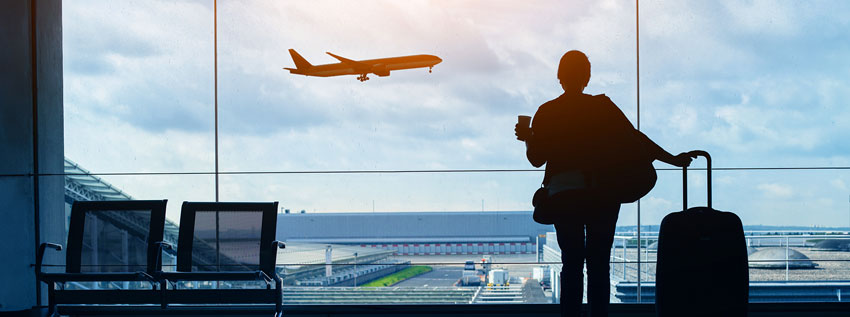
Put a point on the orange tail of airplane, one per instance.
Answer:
(301, 64)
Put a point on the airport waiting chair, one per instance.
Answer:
(112, 257)
(222, 249)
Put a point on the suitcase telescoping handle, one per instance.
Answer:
(694, 154)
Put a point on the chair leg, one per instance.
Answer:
(51, 302)
(162, 289)
(278, 303)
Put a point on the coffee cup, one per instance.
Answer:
(524, 121)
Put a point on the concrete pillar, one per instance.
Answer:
(31, 143)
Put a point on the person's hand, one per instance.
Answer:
(682, 160)
(522, 133)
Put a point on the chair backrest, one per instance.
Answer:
(227, 236)
(115, 236)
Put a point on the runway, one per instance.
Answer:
(440, 276)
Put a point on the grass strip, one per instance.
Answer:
(399, 276)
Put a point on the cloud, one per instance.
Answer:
(779, 191)
(657, 203)
(754, 83)
(839, 184)
(684, 119)
(763, 17)
(142, 62)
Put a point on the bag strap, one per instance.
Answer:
(545, 179)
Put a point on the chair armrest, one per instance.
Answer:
(161, 246)
(40, 255)
(164, 245)
(265, 277)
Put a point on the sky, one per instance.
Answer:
(755, 83)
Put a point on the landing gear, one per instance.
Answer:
(430, 68)
(363, 77)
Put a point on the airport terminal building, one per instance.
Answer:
(419, 233)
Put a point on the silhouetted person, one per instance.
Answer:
(576, 135)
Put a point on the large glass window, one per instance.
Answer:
(756, 84)
(138, 90)
(418, 172)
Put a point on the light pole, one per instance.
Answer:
(328, 263)
(355, 269)
(537, 248)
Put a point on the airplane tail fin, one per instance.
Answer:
(300, 62)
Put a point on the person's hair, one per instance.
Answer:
(574, 69)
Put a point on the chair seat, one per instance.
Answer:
(223, 296)
(216, 276)
(107, 297)
(96, 277)
(154, 310)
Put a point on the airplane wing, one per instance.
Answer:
(354, 64)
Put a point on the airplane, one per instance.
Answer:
(380, 66)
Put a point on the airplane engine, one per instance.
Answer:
(380, 70)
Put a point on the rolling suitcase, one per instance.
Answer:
(702, 260)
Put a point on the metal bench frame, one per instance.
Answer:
(73, 255)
